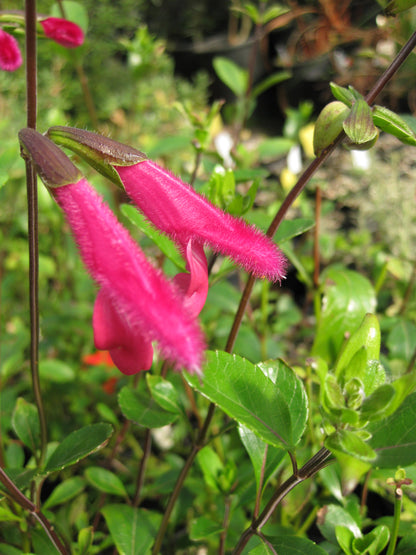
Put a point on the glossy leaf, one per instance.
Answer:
(394, 438)
(346, 297)
(26, 424)
(141, 408)
(374, 542)
(244, 392)
(392, 123)
(164, 393)
(78, 445)
(65, 491)
(133, 530)
(105, 481)
(347, 96)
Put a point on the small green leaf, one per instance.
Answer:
(274, 147)
(105, 481)
(392, 123)
(289, 229)
(344, 538)
(334, 516)
(270, 81)
(347, 96)
(164, 393)
(294, 545)
(397, 6)
(372, 543)
(167, 246)
(6, 515)
(133, 530)
(374, 406)
(211, 466)
(203, 527)
(139, 407)
(349, 442)
(56, 371)
(231, 75)
(65, 491)
(401, 340)
(359, 125)
(78, 445)
(25, 422)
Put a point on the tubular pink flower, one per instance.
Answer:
(10, 56)
(176, 209)
(136, 304)
(64, 32)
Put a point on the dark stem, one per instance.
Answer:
(33, 234)
(24, 502)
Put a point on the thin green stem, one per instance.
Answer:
(396, 520)
(33, 234)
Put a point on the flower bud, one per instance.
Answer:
(329, 125)
(100, 152)
(52, 165)
(359, 127)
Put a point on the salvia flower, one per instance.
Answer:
(135, 304)
(64, 32)
(173, 206)
(10, 56)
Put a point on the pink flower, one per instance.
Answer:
(176, 209)
(135, 304)
(62, 31)
(10, 56)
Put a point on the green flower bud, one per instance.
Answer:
(359, 127)
(329, 125)
(52, 165)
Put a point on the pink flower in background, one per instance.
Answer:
(136, 304)
(179, 211)
(62, 31)
(10, 56)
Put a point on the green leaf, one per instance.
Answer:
(211, 466)
(342, 94)
(293, 545)
(6, 515)
(25, 422)
(344, 538)
(78, 445)
(349, 442)
(375, 405)
(164, 393)
(392, 123)
(397, 6)
(203, 527)
(105, 481)
(163, 242)
(256, 449)
(270, 81)
(289, 229)
(346, 298)
(65, 491)
(372, 543)
(274, 147)
(401, 340)
(394, 438)
(74, 11)
(56, 371)
(244, 392)
(231, 75)
(139, 407)
(333, 516)
(133, 530)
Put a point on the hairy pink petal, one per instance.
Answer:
(130, 351)
(143, 298)
(176, 209)
(10, 56)
(64, 32)
(194, 285)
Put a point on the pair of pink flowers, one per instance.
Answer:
(136, 304)
(62, 31)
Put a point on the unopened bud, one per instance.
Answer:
(100, 152)
(329, 125)
(359, 127)
(52, 165)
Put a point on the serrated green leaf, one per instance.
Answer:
(232, 75)
(78, 445)
(105, 480)
(133, 530)
(394, 438)
(65, 491)
(163, 242)
(139, 407)
(25, 422)
(392, 123)
(244, 392)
